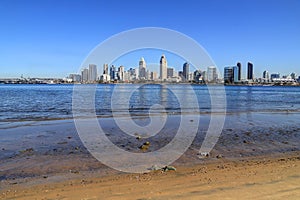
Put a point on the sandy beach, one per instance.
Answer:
(261, 178)
(252, 159)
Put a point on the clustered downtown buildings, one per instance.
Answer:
(111, 74)
(231, 75)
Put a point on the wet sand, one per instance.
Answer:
(258, 157)
(253, 179)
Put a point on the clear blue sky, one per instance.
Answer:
(48, 38)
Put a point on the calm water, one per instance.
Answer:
(32, 102)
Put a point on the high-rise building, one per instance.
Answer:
(231, 74)
(266, 75)
(235, 74)
(92, 73)
(105, 69)
(121, 73)
(163, 68)
(212, 75)
(170, 72)
(250, 71)
(204, 76)
(186, 71)
(112, 72)
(84, 75)
(239, 65)
(142, 69)
(153, 76)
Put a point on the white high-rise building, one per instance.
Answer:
(121, 73)
(212, 75)
(266, 75)
(163, 68)
(92, 73)
(142, 69)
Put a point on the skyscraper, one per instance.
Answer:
(112, 72)
(239, 65)
(142, 69)
(186, 71)
(121, 73)
(212, 75)
(231, 74)
(84, 75)
(105, 69)
(163, 68)
(170, 72)
(250, 71)
(92, 73)
(266, 75)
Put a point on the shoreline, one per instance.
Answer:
(261, 177)
(48, 155)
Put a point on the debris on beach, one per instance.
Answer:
(168, 168)
(219, 156)
(246, 142)
(138, 137)
(77, 148)
(145, 146)
(29, 150)
(204, 154)
(74, 171)
(163, 169)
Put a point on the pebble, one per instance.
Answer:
(219, 156)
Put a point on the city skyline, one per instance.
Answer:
(41, 39)
(209, 75)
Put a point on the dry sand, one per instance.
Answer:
(255, 178)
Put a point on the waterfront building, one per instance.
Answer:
(92, 73)
(153, 76)
(275, 76)
(121, 73)
(185, 71)
(112, 72)
(105, 78)
(231, 74)
(293, 76)
(191, 76)
(75, 78)
(163, 68)
(170, 72)
(235, 74)
(250, 71)
(142, 69)
(266, 76)
(84, 75)
(239, 65)
(197, 76)
(105, 69)
(212, 75)
(204, 76)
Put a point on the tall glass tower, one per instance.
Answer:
(142, 69)
(186, 71)
(250, 71)
(163, 68)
